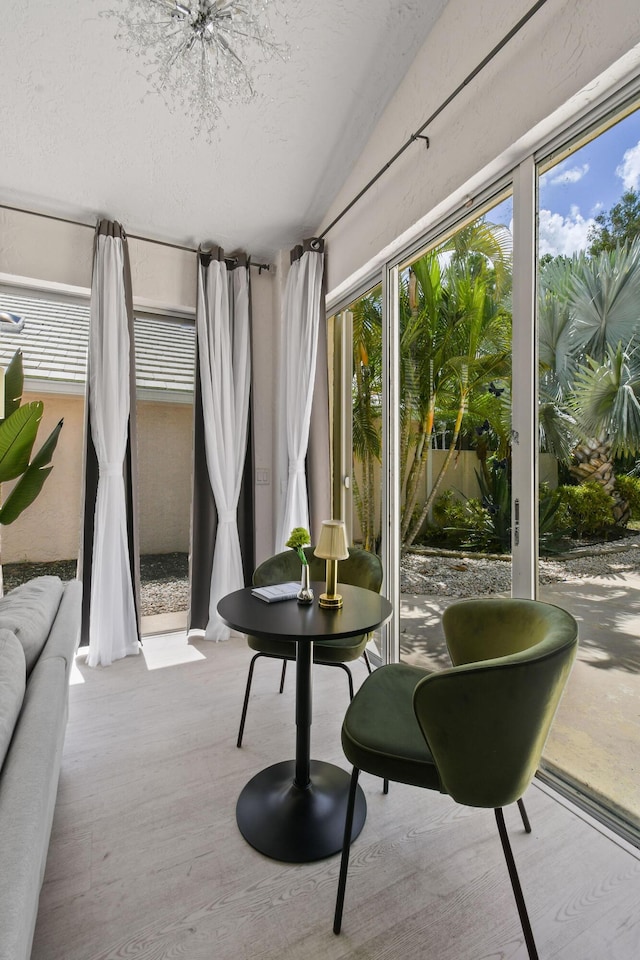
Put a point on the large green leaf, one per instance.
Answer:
(605, 301)
(13, 384)
(607, 400)
(30, 484)
(17, 436)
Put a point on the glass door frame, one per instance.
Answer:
(523, 179)
(524, 486)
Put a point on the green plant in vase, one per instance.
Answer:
(298, 539)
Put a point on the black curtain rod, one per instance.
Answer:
(418, 135)
(130, 236)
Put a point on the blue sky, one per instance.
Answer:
(588, 182)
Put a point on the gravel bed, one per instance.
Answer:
(165, 577)
(458, 575)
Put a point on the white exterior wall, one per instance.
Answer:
(547, 72)
(54, 256)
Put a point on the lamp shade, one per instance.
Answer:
(332, 543)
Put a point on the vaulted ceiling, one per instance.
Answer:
(82, 135)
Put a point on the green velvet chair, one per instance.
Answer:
(360, 569)
(475, 731)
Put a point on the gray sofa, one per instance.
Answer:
(39, 633)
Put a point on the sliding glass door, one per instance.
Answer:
(454, 419)
(589, 386)
(488, 403)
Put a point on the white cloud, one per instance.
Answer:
(629, 169)
(563, 235)
(569, 174)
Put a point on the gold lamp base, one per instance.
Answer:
(330, 602)
(332, 547)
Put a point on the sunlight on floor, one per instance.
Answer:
(76, 676)
(168, 650)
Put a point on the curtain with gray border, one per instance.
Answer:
(303, 309)
(222, 540)
(109, 555)
(319, 448)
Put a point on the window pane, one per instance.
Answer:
(455, 421)
(589, 323)
(53, 338)
(164, 380)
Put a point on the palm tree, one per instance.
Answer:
(456, 337)
(607, 403)
(589, 315)
(366, 392)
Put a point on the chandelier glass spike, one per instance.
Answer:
(199, 53)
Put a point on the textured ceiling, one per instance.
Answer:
(82, 136)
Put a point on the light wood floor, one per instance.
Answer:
(146, 862)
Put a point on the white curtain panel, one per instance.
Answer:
(113, 631)
(299, 347)
(224, 348)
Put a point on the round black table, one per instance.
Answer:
(295, 810)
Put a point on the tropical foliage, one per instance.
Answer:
(18, 432)
(621, 224)
(455, 373)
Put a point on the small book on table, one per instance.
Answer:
(277, 591)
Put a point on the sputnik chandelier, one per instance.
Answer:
(198, 53)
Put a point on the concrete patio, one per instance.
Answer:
(596, 735)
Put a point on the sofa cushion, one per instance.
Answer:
(12, 684)
(28, 611)
(28, 789)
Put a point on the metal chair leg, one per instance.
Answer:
(385, 786)
(246, 698)
(525, 818)
(515, 884)
(365, 657)
(282, 676)
(344, 861)
(344, 667)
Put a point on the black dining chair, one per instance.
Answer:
(475, 731)
(360, 569)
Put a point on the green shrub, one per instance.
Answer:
(629, 489)
(452, 521)
(585, 509)
(468, 524)
(449, 511)
(554, 523)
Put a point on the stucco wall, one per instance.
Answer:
(50, 528)
(164, 476)
(546, 72)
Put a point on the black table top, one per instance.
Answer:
(362, 611)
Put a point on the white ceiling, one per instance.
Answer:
(80, 138)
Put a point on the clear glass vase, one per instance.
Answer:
(305, 593)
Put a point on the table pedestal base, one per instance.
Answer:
(298, 825)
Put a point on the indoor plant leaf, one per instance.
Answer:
(17, 436)
(30, 483)
(13, 384)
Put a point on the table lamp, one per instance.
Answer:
(332, 546)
